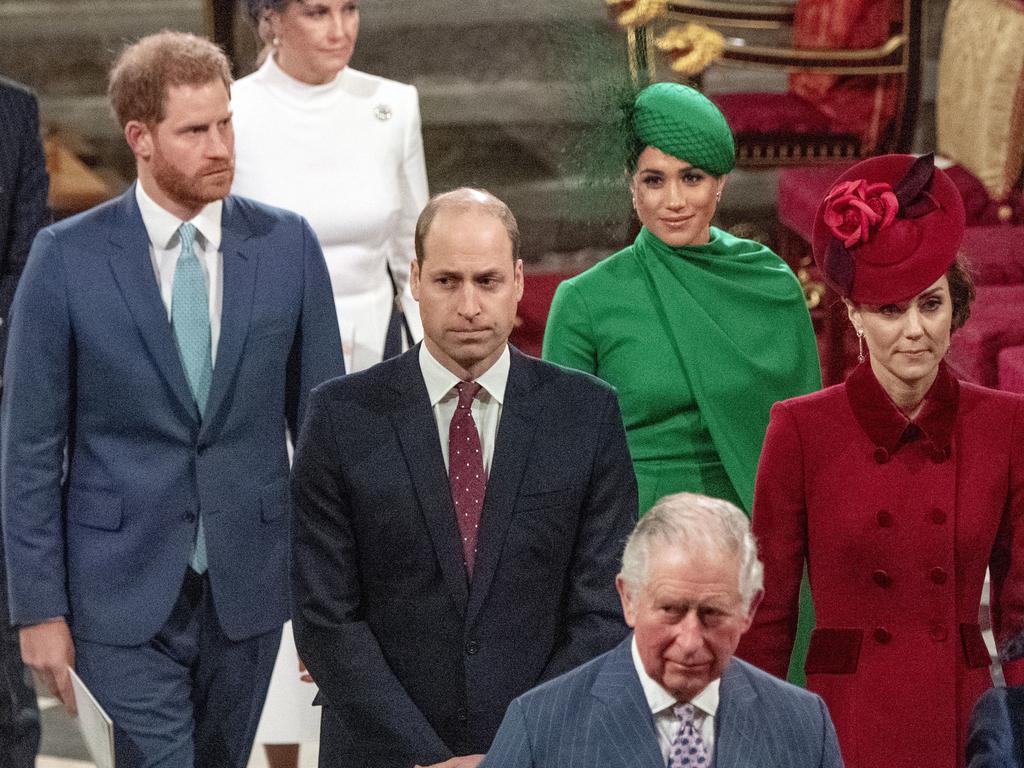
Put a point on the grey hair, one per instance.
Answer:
(698, 525)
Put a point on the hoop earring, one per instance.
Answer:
(860, 345)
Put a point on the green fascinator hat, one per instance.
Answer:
(686, 124)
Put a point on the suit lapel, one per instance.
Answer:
(511, 451)
(739, 729)
(240, 260)
(624, 717)
(133, 270)
(413, 420)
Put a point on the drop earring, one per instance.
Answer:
(860, 345)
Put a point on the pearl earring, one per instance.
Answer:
(276, 42)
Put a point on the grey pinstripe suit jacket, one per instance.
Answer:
(597, 716)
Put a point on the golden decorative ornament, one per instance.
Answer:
(636, 13)
(691, 48)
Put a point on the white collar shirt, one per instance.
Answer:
(165, 247)
(662, 703)
(440, 383)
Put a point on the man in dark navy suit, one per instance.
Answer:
(458, 513)
(160, 347)
(23, 212)
(995, 738)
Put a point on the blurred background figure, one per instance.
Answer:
(898, 487)
(23, 212)
(344, 149)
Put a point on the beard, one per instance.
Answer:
(211, 183)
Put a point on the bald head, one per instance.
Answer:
(463, 200)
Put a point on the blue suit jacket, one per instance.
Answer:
(415, 663)
(23, 190)
(597, 715)
(92, 363)
(996, 735)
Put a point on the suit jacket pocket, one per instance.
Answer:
(834, 651)
(93, 508)
(274, 499)
(544, 499)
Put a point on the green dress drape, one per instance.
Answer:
(699, 341)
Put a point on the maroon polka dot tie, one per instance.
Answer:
(466, 470)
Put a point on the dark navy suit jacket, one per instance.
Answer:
(415, 663)
(92, 363)
(597, 715)
(996, 735)
(23, 190)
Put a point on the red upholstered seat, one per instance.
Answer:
(996, 254)
(1011, 369)
(995, 324)
(532, 315)
(771, 113)
(801, 190)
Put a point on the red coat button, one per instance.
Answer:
(938, 516)
(881, 455)
(937, 632)
(882, 635)
(938, 575)
(884, 518)
(881, 578)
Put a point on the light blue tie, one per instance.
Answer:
(190, 319)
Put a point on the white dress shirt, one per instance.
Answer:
(662, 703)
(486, 407)
(165, 247)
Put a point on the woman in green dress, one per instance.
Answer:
(699, 331)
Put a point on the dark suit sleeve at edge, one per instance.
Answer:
(316, 353)
(592, 613)
(36, 418)
(335, 642)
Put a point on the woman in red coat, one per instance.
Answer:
(898, 488)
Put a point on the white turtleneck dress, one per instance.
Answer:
(347, 155)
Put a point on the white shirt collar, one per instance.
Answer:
(659, 699)
(162, 225)
(440, 381)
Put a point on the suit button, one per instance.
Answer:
(937, 632)
(189, 517)
(939, 455)
(882, 635)
(938, 516)
(472, 647)
(938, 575)
(884, 518)
(881, 455)
(461, 715)
(881, 578)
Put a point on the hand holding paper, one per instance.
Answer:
(48, 650)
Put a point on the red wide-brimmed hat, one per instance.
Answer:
(888, 228)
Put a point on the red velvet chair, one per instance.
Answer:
(854, 77)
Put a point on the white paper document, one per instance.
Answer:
(96, 726)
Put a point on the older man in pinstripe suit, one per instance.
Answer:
(672, 694)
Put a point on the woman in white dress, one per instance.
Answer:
(342, 148)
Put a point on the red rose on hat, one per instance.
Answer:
(855, 210)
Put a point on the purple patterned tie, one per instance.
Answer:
(466, 470)
(688, 750)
